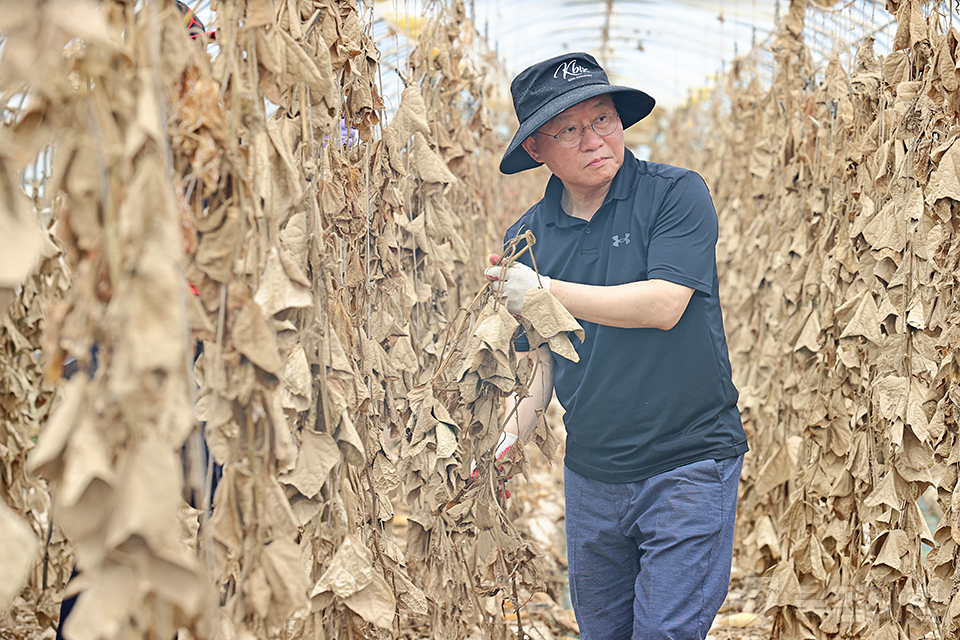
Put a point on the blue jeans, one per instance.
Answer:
(651, 558)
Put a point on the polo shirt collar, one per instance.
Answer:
(620, 189)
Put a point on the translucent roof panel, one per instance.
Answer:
(667, 49)
(672, 49)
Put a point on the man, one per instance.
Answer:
(654, 439)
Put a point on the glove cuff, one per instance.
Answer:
(506, 441)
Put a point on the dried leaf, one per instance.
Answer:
(375, 602)
(885, 493)
(254, 338)
(955, 514)
(893, 546)
(318, 455)
(429, 165)
(18, 554)
(786, 586)
(22, 242)
(147, 499)
(277, 291)
(549, 321)
(259, 13)
(287, 579)
(349, 571)
(865, 322)
(218, 248)
(103, 607)
(944, 180)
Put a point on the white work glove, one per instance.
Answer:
(506, 441)
(514, 283)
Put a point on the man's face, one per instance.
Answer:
(591, 164)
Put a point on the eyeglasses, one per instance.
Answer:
(571, 136)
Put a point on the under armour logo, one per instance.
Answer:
(625, 239)
(570, 70)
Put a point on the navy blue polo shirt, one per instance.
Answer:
(641, 401)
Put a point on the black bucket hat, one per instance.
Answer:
(553, 86)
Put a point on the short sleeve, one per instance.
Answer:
(684, 237)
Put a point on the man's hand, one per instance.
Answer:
(506, 441)
(514, 282)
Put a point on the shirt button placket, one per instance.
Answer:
(589, 244)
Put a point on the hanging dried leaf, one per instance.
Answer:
(254, 338)
(18, 554)
(546, 321)
(429, 165)
(317, 456)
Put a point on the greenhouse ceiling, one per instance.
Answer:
(672, 49)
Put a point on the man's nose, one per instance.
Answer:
(590, 138)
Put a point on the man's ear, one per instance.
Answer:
(530, 146)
